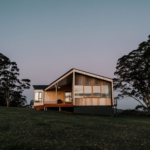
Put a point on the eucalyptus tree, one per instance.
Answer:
(11, 87)
(133, 75)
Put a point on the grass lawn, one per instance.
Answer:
(30, 129)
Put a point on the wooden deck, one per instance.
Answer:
(58, 105)
(40, 107)
(52, 105)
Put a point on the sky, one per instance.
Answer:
(46, 38)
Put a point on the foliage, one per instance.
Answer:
(18, 101)
(133, 75)
(2, 100)
(32, 102)
(11, 87)
(140, 107)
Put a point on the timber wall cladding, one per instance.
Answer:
(51, 95)
(86, 80)
(93, 101)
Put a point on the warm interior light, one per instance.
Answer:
(59, 87)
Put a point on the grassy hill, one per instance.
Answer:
(22, 129)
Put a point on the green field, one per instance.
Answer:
(23, 129)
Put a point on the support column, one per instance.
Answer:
(73, 87)
(56, 90)
(45, 108)
(112, 93)
(59, 108)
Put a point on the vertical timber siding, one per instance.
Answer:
(51, 95)
(86, 80)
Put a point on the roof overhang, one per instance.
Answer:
(59, 79)
(93, 75)
(77, 71)
(39, 87)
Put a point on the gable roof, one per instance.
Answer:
(91, 73)
(40, 87)
(81, 72)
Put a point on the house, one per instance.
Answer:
(85, 92)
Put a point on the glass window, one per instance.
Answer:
(87, 91)
(96, 91)
(38, 96)
(68, 96)
(78, 91)
(105, 91)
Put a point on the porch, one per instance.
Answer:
(60, 94)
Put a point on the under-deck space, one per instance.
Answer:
(58, 105)
(52, 105)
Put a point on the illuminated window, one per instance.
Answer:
(87, 91)
(67, 96)
(96, 91)
(38, 96)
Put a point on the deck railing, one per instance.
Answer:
(37, 101)
(50, 102)
(55, 102)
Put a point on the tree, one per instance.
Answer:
(32, 102)
(133, 75)
(18, 101)
(11, 87)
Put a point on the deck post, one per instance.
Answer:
(56, 90)
(73, 87)
(59, 108)
(112, 93)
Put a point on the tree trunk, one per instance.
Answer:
(7, 102)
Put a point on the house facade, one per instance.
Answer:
(85, 92)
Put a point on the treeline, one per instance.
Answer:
(133, 75)
(11, 87)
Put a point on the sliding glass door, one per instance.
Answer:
(67, 96)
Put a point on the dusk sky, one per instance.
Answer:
(46, 38)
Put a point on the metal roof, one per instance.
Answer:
(77, 70)
(40, 87)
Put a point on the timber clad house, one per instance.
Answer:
(85, 92)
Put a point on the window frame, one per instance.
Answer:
(91, 88)
(39, 96)
(109, 89)
(100, 91)
(39, 99)
(83, 91)
(109, 86)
